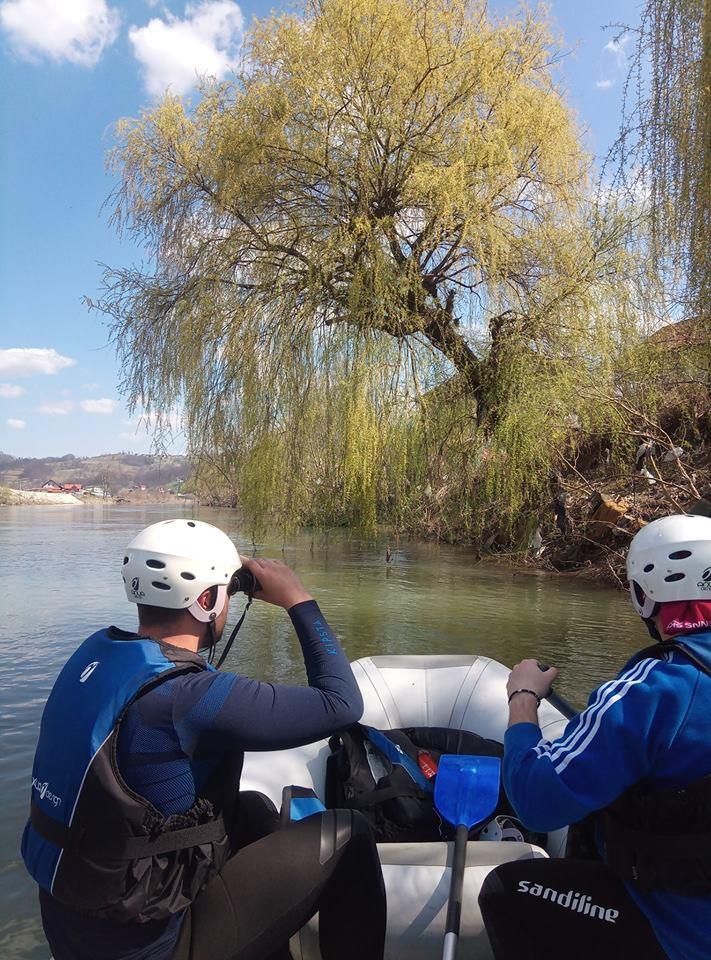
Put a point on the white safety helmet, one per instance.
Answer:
(670, 559)
(501, 829)
(170, 563)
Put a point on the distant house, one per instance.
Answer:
(50, 486)
(95, 491)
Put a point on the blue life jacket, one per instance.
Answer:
(93, 843)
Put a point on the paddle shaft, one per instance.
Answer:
(454, 906)
(562, 705)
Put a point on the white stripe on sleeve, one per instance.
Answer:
(588, 716)
(648, 666)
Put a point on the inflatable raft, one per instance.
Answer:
(461, 692)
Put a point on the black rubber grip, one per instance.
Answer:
(558, 703)
(459, 859)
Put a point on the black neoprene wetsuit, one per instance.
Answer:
(170, 741)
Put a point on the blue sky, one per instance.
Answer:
(69, 69)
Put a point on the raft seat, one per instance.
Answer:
(461, 692)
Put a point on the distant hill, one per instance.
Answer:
(114, 471)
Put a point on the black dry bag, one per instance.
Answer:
(389, 775)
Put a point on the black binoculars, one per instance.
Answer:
(243, 581)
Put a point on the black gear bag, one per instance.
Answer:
(362, 777)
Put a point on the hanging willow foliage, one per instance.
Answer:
(378, 282)
(664, 148)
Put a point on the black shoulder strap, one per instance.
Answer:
(660, 648)
(380, 794)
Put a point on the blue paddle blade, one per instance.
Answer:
(467, 788)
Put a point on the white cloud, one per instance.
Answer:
(613, 63)
(73, 30)
(16, 424)
(616, 49)
(175, 52)
(103, 406)
(24, 361)
(58, 409)
(9, 391)
(90, 386)
(171, 420)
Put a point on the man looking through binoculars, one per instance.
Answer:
(152, 852)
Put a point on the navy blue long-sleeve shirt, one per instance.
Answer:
(172, 739)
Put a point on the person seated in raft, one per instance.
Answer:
(638, 759)
(138, 837)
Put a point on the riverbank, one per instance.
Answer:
(16, 498)
(593, 514)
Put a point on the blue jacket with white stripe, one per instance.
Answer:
(650, 723)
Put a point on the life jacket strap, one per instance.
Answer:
(662, 646)
(124, 848)
(380, 794)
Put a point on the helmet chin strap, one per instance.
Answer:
(213, 641)
(210, 616)
(651, 625)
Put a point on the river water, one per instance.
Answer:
(60, 580)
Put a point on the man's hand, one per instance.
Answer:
(527, 675)
(279, 583)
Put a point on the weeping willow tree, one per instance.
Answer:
(664, 149)
(377, 281)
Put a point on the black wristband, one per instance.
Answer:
(525, 690)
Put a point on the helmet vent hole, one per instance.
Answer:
(190, 523)
(187, 576)
(160, 586)
(680, 555)
(673, 577)
(155, 564)
(125, 560)
(649, 568)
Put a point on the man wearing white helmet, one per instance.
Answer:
(140, 842)
(638, 762)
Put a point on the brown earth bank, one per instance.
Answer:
(595, 511)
